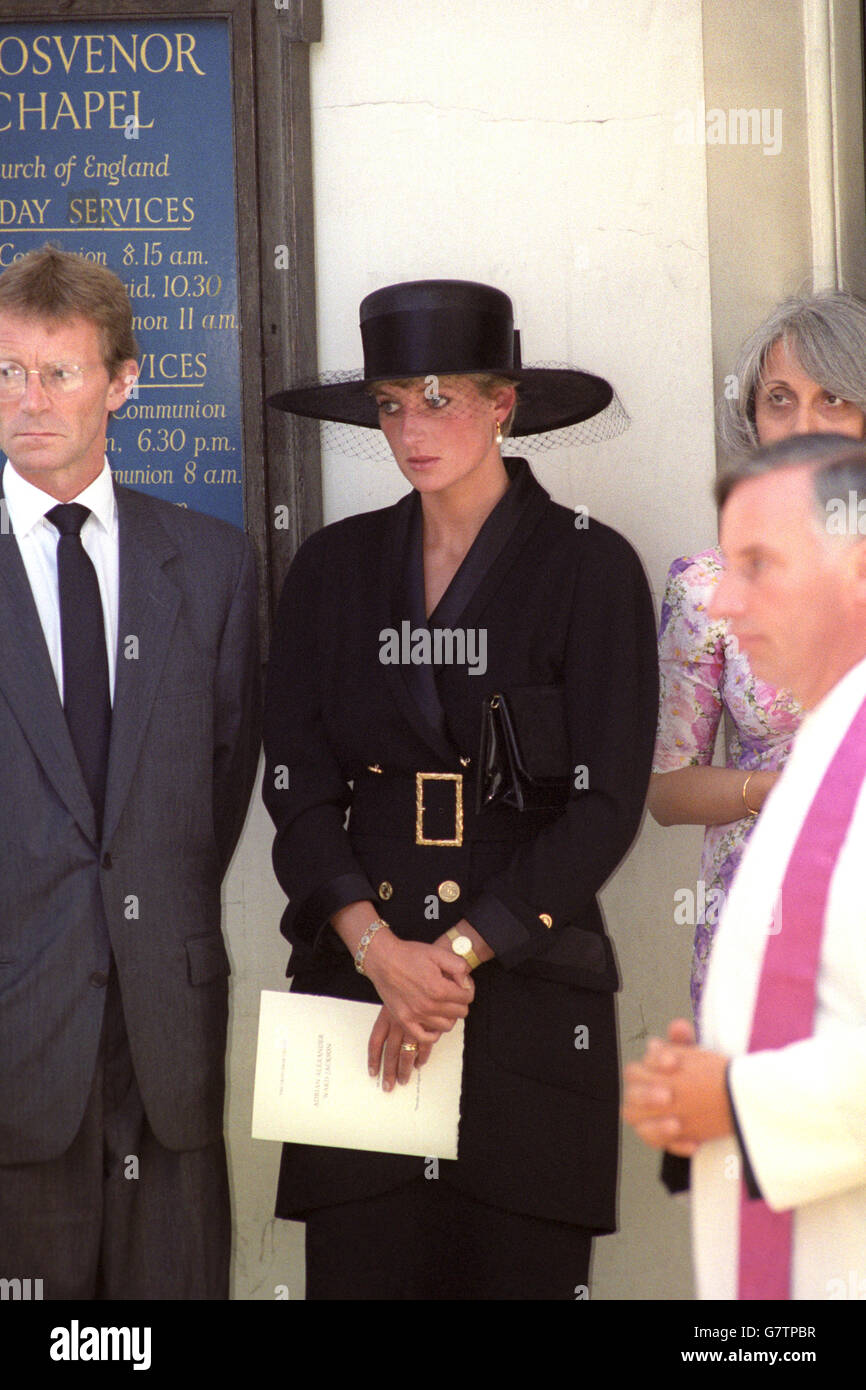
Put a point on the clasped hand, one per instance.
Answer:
(424, 990)
(676, 1097)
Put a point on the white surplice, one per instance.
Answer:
(801, 1108)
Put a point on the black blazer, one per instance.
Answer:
(557, 604)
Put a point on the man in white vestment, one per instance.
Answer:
(771, 1107)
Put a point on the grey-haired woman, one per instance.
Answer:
(803, 371)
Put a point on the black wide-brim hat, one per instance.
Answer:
(426, 328)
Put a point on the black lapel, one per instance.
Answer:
(401, 596)
(28, 683)
(393, 601)
(409, 602)
(491, 553)
(147, 612)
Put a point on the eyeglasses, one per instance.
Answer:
(58, 378)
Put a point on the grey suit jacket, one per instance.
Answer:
(184, 745)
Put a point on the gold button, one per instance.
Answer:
(373, 767)
(546, 918)
(449, 891)
(464, 762)
(386, 890)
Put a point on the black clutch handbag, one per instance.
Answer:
(524, 759)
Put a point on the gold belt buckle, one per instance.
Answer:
(457, 779)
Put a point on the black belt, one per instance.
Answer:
(435, 810)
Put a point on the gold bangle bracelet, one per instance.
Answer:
(752, 810)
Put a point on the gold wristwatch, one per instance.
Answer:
(462, 947)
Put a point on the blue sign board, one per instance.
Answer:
(116, 143)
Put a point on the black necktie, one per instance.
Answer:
(86, 696)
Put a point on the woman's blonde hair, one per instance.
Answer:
(488, 384)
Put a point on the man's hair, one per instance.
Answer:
(838, 465)
(57, 285)
(826, 331)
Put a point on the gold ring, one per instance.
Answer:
(408, 1047)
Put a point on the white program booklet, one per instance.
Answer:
(312, 1084)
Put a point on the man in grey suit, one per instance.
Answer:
(128, 746)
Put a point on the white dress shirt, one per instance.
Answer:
(37, 541)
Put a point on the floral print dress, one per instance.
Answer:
(703, 673)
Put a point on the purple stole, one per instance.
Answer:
(785, 1004)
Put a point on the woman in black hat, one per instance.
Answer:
(475, 613)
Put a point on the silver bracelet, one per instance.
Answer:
(364, 943)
